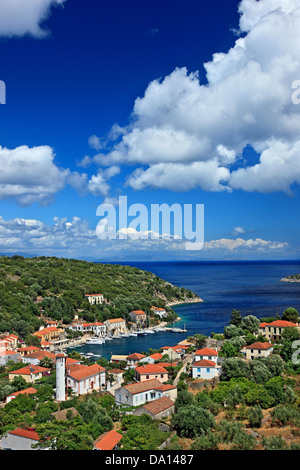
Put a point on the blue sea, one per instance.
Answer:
(252, 287)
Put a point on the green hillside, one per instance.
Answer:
(56, 288)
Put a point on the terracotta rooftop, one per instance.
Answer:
(25, 433)
(108, 440)
(30, 370)
(259, 345)
(136, 356)
(151, 369)
(206, 352)
(143, 386)
(204, 363)
(81, 372)
(159, 405)
(26, 391)
(282, 323)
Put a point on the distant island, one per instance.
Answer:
(292, 278)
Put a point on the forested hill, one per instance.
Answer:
(56, 287)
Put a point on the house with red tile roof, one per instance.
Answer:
(26, 391)
(205, 369)
(35, 357)
(108, 441)
(139, 393)
(161, 312)
(84, 379)
(139, 317)
(152, 359)
(157, 409)
(257, 349)
(134, 359)
(207, 354)
(115, 326)
(29, 373)
(273, 331)
(27, 350)
(19, 439)
(151, 371)
(48, 334)
(7, 354)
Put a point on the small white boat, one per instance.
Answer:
(132, 334)
(108, 338)
(95, 340)
(149, 330)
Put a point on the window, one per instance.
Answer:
(208, 370)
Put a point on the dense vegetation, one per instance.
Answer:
(57, 287)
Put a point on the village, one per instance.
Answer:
(137, 383)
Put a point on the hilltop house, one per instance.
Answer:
(139, 393)
(273, 331)
(157, 409)
(205, 369)
(206, 354)
(115, 326)
(151, 371)
(94, 298)
(29, 373)
(257, 350)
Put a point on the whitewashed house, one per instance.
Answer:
(139, 393)
(205, 369)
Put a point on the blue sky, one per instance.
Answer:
(181, 102)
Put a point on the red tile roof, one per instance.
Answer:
(143, 386)
(25, 433)
(156, 356)
(151, 369)
(204, 363)
(206, 352)
(30, 370)
(282, 323)
(159, 405)
(108, 440)
(259, 345)
(27, 391)
(80, 372)
(136, 356)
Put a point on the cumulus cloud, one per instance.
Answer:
(21, 17)
(30, 175)
(75, 238)
(182, 126)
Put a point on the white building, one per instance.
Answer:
(95, 298)
(139, 393)
(61, 377)
(205, 369)
(206, 354)
(84, 379)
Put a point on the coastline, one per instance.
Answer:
(289, 279)
(183, 302)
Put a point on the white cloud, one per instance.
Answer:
(75, 238)
(181, 126)
(30, 175)
(21, 17)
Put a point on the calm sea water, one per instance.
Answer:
(251, 287)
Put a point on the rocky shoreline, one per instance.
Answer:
(186, 301)
(290, 279)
